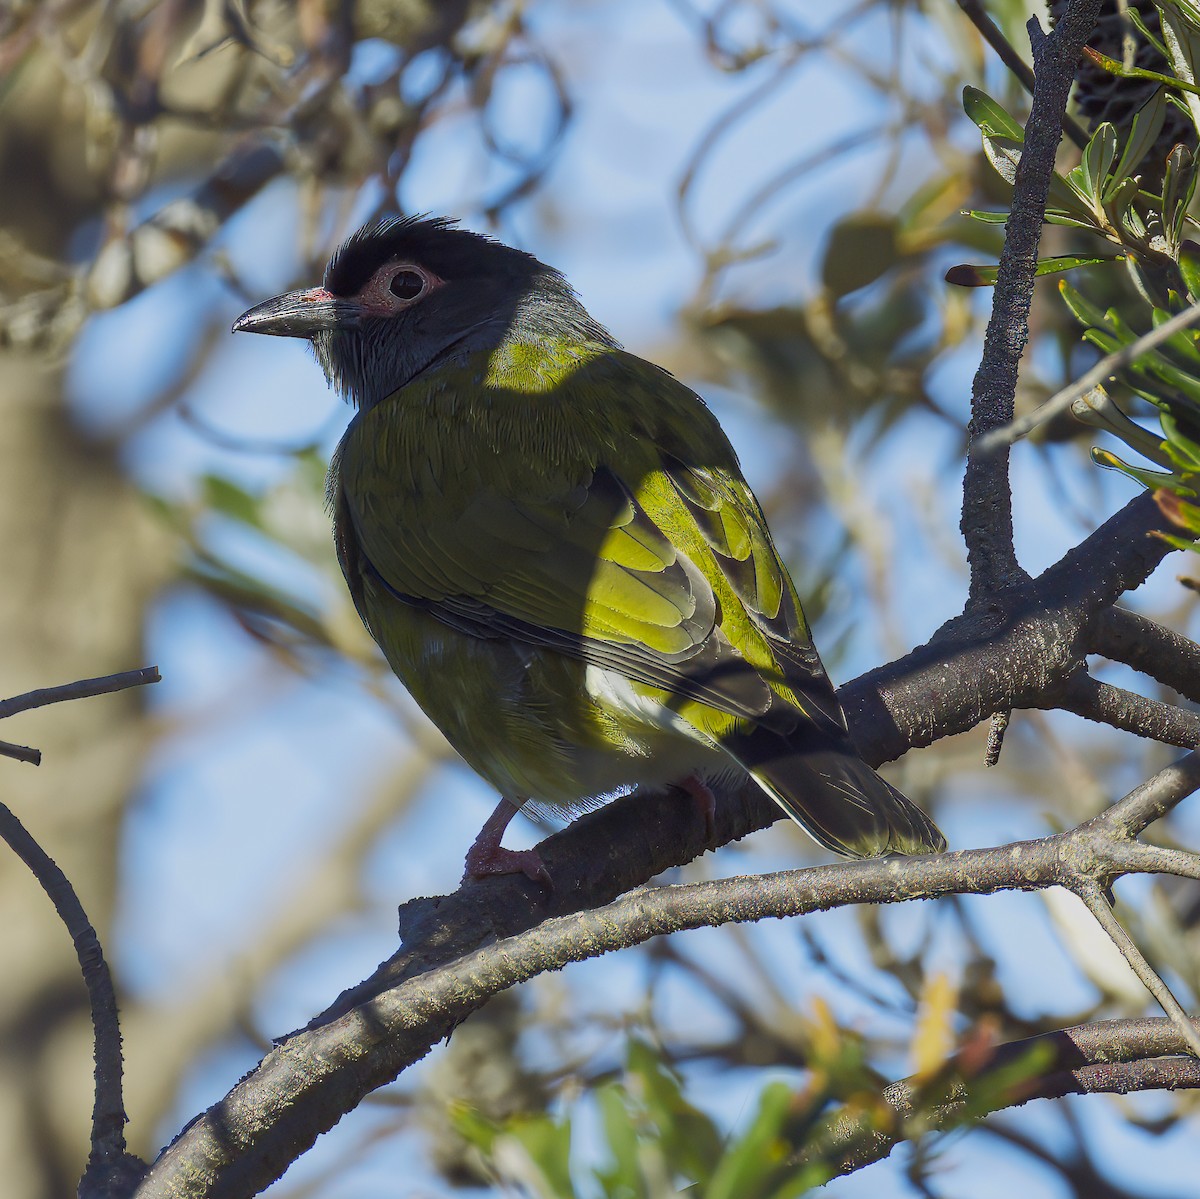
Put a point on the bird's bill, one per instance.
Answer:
(298, 314)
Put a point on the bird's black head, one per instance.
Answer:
(406, 294)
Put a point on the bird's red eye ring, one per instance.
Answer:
(408, 284)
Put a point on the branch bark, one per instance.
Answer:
(1152, 648)
(306, 1084)
(987, 523)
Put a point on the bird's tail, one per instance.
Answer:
(837, 798)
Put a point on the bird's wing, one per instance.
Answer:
(669, 578)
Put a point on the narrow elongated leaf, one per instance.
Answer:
(1189, 268)
(1152, 479)
(1183, 450)
(1086, 313)
(1115, 67)
(967, 275)
(989, 116)
(1143, 133)
(1098, 157)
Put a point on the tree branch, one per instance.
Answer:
(1165, 655)
(1007, 54)
(1134, 713)
(1090, 892)
(306, 1084)
(1014, 653)
(20, 753)
(81, 689)
(55, 695)
(110, 1170)
(987, 523)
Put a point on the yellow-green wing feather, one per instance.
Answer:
(612, 525)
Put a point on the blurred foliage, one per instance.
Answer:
(654, 1141)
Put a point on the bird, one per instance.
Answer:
(553, 544)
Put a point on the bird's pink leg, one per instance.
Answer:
(487, 856)
(706, 802)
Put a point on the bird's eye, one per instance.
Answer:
(407, 285)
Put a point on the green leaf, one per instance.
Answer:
(966, 275)
(1098, 157)
(623, 1176)
(1179, 543)
(1133, 15)
(1085, 312)
(231, 500)
(746, 1163)
(548, 1143)
(1114, 67)
(989, 116)
(1119, 197)
(1183, 341)
(1100, 411)
(1189, 268)
(1152, 479)
(1183, 450)
(987, 217)
(689, 1138)
(861, 248)
(1186, 384)
(1182, 18)
(1143, 133)
(997, 1087)
(1179, 185)
(1004, 155)
(1059, 218)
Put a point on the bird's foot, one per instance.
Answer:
(487, 856)
(702, 796)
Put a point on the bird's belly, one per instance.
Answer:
(534, 723)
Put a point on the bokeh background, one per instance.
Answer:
(762, 196)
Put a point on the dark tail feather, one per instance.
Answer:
(838, 799)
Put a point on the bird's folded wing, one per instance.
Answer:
(612, 573)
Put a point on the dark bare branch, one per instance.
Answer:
(21, 753)
(1163, 654)
(108, 1158)
(987, 497)
(1134, 713)
(81, 689)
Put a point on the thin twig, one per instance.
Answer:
(81, 689)
(997, 439)
(22, 753)
(1089, 891)
(108, 1110)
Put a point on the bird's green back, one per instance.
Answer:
(581, 498)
